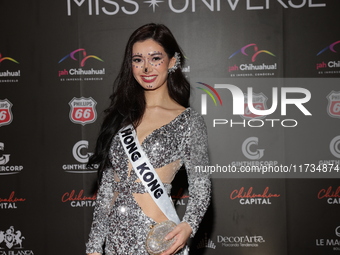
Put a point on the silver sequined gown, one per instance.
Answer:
(118, 221)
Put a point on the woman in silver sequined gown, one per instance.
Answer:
(171, 134)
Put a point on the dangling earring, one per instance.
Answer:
(177, 63)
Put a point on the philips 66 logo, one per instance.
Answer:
(83, 110)
(6, 116)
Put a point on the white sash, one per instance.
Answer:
(146, 173)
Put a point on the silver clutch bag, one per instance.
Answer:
(155, 242)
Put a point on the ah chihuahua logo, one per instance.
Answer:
(84, 55)
(10, 74)
(330, 47)
(204, 96)
(328, 60)
(7, 58)
(248, 62)
(254, 53)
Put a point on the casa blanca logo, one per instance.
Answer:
(130, 7)
(253, 107)
(11, 238)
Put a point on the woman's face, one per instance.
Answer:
(150, 64)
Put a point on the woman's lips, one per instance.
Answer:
(149, 79)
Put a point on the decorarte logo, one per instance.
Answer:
(206, 243)
(333, 108)
(80, 74)
(9, 75)
(251, 51)
(329, 65)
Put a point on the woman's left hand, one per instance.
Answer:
(181, 234)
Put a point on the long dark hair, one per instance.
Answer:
(128, 101)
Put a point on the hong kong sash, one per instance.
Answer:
(146, 173)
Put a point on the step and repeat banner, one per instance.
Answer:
(265, 75)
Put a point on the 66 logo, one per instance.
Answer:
(6, 116)
(259, 103)
(333, 107)
(83, 110)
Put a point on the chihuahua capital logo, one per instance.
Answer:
(84, 55)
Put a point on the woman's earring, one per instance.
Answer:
(176, 65)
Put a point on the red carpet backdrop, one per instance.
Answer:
(264, 75)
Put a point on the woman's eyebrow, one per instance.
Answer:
(137, 55)
(155, 53)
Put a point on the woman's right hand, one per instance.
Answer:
(96, 253)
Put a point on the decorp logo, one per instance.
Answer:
(204, 97)
(253, 54)
(7, 58)
(330, 47)
(83, 54)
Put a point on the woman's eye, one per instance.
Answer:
(136, 60)
(155, 59)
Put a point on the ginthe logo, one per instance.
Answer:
(5, 157)
(334, 146)
(77, 151)
(247, 152)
